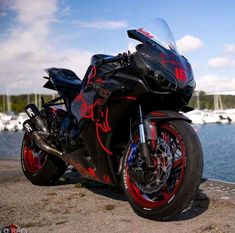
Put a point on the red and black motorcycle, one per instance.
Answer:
(121, 125)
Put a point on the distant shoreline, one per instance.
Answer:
(10, 158)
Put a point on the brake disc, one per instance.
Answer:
(163, 160)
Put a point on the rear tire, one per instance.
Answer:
(42, 169)
(186, 187)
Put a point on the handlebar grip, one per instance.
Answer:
(111, 59)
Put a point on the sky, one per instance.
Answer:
(39, 34)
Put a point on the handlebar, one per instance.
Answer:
(123, 59)
(111, 59)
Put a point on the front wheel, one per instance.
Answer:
(172, 184)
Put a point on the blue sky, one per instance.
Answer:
(38, 34)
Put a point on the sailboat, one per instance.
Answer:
(222, 114)
(196, 116)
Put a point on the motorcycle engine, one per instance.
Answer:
(64, 131)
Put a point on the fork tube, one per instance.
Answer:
(141, 126)
(143, 145)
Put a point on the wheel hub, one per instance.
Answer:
(163, 161)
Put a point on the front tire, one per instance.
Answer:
(39, 167)
(176, 195)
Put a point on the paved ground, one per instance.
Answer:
(71, 207)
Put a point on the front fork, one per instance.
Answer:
(144, 148)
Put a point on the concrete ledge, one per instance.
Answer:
(220, 190)
(70, 206)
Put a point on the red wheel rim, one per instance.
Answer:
(141, 198)
(33, 157)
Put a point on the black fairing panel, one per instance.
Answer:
(136, 35)
(98, 108)
(98, 137)
(49, 85)
(175, 65)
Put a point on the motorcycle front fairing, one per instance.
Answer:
(165, 73)
(158, 54)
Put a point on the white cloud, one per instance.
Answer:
(194, 65)
(221, 62)
(29, 12)
(31, 32)
(102, 25)
(215, 83)
(131, 46)
(76, 60)
(229, 48)
(189, 43)
(27, 51)
(226, 60)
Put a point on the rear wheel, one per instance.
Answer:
(172, 184)
(39, 167)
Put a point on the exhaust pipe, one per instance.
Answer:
(36, 117)
(37, 136)
(36, 127)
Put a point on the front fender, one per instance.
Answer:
(162, 116)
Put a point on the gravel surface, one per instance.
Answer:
(72, 206)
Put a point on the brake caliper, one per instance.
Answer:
(133, 153)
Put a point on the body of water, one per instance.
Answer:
(10, 144)
(218, 143)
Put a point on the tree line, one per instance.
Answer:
(18, 102)
(207, 101)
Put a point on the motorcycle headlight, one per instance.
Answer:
(165, 83)
(158, 82)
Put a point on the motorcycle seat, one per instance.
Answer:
(65, 78)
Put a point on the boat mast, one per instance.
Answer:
(8, 103)
(218, 104)
(35, 97)
(28, 99)
(198, 100)
(39, 101)
(3, 104)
